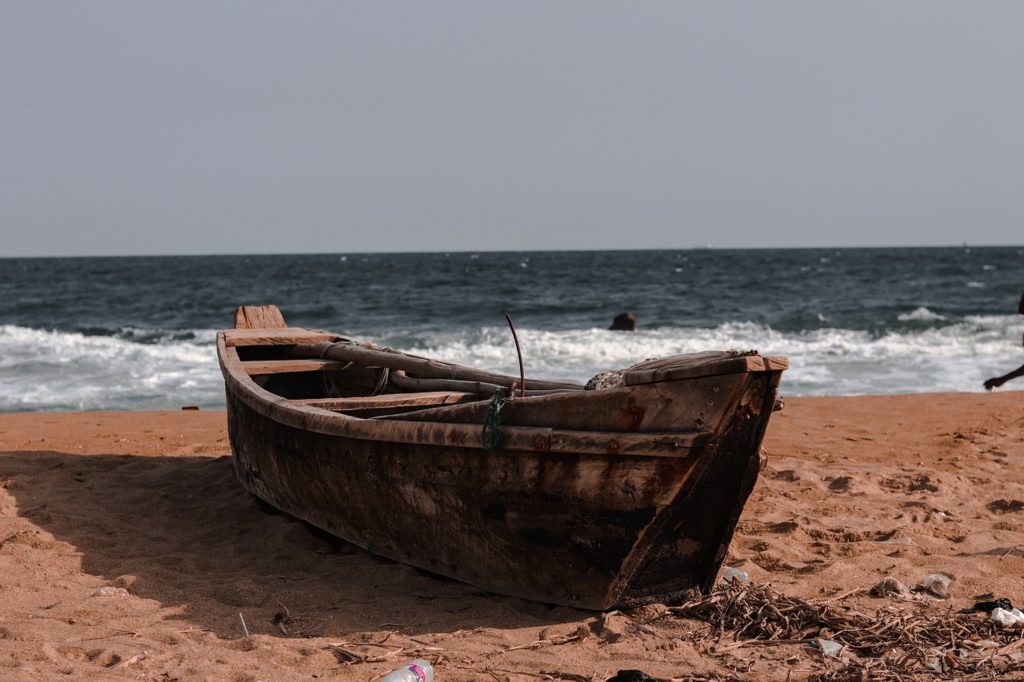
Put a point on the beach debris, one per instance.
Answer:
(189, 408)
(109, 592)
(141, 656)
(936, 585)
(1007, 618)
(247, 643)
(988, 605)
(890, 587)
(893, 644)
(732, 574)
(418, 670)
(562, 675)
(828, 648)
(245, 628)
(577, 635)
(280, 619)
(612, 627)
(346, 655)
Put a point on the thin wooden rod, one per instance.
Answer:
(519, 354)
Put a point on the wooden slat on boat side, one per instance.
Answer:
(285, 336)
(260, 367)
(690, 367)
(696, 404)
(258, 317)
(514, 438)
(387, 400)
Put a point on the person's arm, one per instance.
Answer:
(999, 381)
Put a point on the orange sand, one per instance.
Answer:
(855, 489)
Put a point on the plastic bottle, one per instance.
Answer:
(418, 670)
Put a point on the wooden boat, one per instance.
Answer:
(589, 498)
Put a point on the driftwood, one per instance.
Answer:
(423, 368)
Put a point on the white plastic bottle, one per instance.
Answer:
(418, 670)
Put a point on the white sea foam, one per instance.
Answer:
(42, 369)
(921, 314)
(956, 357)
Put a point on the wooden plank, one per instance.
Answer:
(285, 336)
(258, 317)
(692, 371)
(692, 405)
(387, 400)
(254, 367)
(775, 363)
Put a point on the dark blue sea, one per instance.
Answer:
(138, 333)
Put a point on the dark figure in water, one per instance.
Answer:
(624, 322)
(1019, 372)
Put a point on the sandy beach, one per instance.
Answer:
(128, 551)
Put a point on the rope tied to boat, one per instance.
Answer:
(490, 434)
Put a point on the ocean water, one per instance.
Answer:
(138, 333)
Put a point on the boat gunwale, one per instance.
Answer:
(282, 410)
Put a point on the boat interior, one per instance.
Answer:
(318, 369)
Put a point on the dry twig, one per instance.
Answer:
(891, 645)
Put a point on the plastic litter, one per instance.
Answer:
(890, 587)
(418, 670)
(733, 574)
(828, 647)
(936, 584)
(989, 606)
(1007, 618)
(109, 592)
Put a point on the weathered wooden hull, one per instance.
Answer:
(587, 523)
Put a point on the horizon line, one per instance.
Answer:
(962, 245)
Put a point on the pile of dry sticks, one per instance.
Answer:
(892, 644)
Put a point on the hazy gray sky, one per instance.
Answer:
(230, 127)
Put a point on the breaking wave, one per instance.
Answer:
(167, 369)
(54, 370)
